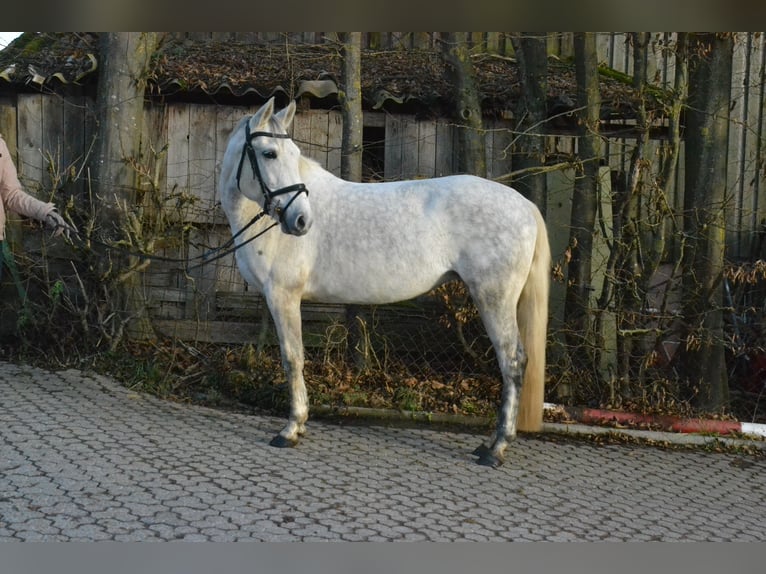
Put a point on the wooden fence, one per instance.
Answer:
(51, 135)
(204, 302)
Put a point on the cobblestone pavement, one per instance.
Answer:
(83, 458)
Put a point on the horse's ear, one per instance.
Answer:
(286, 115)
(263, 115)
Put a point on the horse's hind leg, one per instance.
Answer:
(513, 374)
(499, 317)
(285, 311)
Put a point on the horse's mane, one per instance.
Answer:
(308, 164)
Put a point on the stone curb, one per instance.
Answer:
(399, 416)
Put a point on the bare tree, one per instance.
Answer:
(584, 200)
(640, 242)
(125, 58)
(351, 100)
(472, 155)
(532, 56)
(707, 129)
(351, 170)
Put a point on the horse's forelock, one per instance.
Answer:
(275, 126)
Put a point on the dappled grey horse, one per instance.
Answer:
(374, 243)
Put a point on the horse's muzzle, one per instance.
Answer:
(297, 223)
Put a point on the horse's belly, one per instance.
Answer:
(376, 287)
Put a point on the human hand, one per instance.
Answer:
(54, 221)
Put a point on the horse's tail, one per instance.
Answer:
(533, 326)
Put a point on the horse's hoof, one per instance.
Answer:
(489, 459)
(481, 450)
(281, 442)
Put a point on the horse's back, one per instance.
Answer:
(392, 241)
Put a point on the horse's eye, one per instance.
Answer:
(270, 154)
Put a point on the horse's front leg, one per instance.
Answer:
(286, 312)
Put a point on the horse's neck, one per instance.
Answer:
(318, 179)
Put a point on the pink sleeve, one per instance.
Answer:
(11, 192)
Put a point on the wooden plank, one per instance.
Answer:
(245, 318)
(604, 47)
(166, 148)
(738, 133)
(498, 143)
(30, 164)
(653, 60)
(52, 146)
(393, 149)
(76, 142)
(489, 148)
(400, 40)
(202, 160)
(8, 120)
(566, 45)
(167, 294)
(754, 86)
(318, 121)
(614, 153)
(201, 280)
(244, 305)
(226, 119)
(177, 161)
(301, 132)
(477, 41)
(426, 148)
(199, 36)
(154, 156)
(227, 276)
(232, 332)
(509, 44)
(222, 36)
(246, 302)
(409, 140)
(9, 131)
(165, 303)
(334, 141)
(229, 332)
(445, 146)
(422, 41)
(663, 49)
(495, 42)
(210, 331)
(759, 145)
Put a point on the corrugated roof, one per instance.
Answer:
(187, 67)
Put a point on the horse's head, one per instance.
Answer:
(275, 160)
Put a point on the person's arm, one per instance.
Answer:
(13, 196)
(17, 200)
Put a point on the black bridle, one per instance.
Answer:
(229, 246)
(268, 194)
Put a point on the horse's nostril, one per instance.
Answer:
(300, 223)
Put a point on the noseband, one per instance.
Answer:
(269, 195)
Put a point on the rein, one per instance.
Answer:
(268, 194)
(228, 247)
